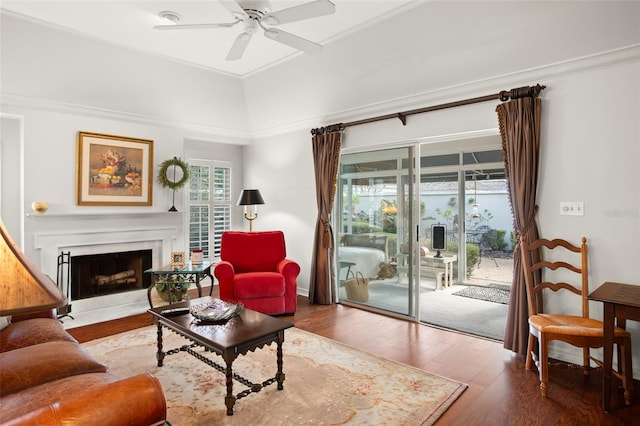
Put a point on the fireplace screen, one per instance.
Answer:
(108, 273)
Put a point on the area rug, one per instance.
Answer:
(327, 383)
(496, 293)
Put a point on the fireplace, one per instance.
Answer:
(108, 273)
(107, 245)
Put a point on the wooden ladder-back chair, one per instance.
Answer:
(580, 331)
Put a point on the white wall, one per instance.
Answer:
(11, 175)
(40, 64)
(429, 51)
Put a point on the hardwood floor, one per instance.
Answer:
(501, 391)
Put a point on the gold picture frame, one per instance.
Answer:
(177, 259)
(114, 170)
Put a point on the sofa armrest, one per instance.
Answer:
(290, 271)
(288, 268)
(225, 272)
(137, 400)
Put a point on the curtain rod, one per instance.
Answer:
(504, 95)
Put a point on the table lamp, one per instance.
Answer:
(24, 287)
(250, 198)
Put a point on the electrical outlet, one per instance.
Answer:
(572, 208)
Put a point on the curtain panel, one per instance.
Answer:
(519, 121)
(326, 156)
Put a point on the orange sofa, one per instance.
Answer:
(48, 378)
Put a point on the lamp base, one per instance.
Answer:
(173, 209)
(250, 219)
(438, 255)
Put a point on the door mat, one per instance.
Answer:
(495, 293)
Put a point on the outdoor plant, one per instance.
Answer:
(450, 217)
(494, 239)
(473, 254)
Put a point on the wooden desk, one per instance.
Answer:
(621, 302)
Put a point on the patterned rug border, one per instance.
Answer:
(307, 345)
(446, 403)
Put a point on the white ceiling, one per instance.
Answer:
(130, 24)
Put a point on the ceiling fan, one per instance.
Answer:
(255, 14)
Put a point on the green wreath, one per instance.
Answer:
(164, 169)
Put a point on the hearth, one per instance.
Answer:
(103, 274)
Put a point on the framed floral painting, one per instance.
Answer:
(114, 170)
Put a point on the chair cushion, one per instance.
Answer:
(253, 285)
(571, 325)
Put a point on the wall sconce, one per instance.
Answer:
(250, 198)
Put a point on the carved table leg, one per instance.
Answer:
(230, 399)
(160, 353)
(280, 361)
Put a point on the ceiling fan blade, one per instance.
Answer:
(235, 8)
(239, 46)
(293, 41)
(195, 26)
(298, 13)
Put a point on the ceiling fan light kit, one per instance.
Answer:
(254, 14)
(171, 18)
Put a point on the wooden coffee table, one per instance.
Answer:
(243, 333)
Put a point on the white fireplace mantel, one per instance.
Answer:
(160, 240)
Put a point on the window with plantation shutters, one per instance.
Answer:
(209, 205)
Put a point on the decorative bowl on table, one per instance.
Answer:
(215, 311)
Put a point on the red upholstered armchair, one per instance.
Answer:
(253, 269)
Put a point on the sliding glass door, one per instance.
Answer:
(405, 248)
(465, 193)
(376, 227)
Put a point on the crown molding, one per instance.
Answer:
(194, 131)
(542, 74)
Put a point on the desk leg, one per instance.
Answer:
(207, 272)
(151, 286)
(198, 284)
(609, 313)
(447, 275)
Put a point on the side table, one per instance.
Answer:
(621, 302)
(194, 272)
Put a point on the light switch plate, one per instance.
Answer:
(572, 208)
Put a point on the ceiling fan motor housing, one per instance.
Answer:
(255, 9)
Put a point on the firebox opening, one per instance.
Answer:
(108, 273)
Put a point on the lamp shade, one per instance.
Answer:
(250, 197)
(24, 287)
